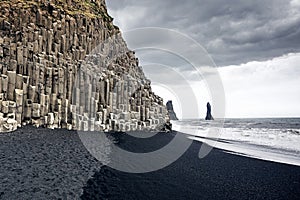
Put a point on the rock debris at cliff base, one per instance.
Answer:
(63, 64)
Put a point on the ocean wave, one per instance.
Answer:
(267, 136)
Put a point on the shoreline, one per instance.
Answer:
(42, 163)
(219, 175)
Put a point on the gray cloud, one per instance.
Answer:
(233, 32)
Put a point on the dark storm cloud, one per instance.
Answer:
(233, 32)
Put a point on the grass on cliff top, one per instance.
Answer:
(78, 7)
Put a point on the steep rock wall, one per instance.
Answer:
(171, 112)
(63, 64)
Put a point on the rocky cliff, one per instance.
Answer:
(171, 112)
(63, 64)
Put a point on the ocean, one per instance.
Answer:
(272, 139)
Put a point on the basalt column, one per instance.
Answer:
(63, 64)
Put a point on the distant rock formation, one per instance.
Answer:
(63, 64)
(208, 113)
(172, 114)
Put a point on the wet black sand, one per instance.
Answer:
(53, 164)
(217, 176)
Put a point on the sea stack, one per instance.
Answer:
(63, 64)
(208, 113)
(171, 111)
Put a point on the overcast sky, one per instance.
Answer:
(255, 45)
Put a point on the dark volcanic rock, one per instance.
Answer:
(208, 113)
(171, 112)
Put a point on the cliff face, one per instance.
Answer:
(171, 112)
(63, 64)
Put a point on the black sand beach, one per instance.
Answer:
(217, 176)
(53, 164)
(38, 163)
